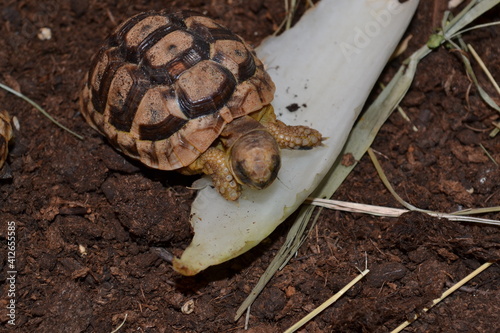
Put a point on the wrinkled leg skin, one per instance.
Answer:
(291, 137)
(213, 162)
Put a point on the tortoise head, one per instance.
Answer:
(255, 159)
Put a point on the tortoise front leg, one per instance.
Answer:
(287, 136)
(214, 162)
(294, 137)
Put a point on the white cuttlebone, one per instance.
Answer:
(327, 64)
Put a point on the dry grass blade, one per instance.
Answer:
(488, 154)
(452, 217)
(290, 13)
(290, 8)
(326, 304)
(479, 26)
(483, 67)
(357, 207)
(121, 325)
(474, 211)
(444, 295)
(470, 71)
(455, 28)
(395, 212)
(403, 113)
(492, 80)
(471, 12)
(388, 185)
(39, 108)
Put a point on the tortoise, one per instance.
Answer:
(179, 91)
(5, 137)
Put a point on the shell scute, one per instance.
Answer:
(178, 46)
(236, 57)
(182, 148)
(202, 129)
(196, 97)
(147, 30)
(158, 115)
(125, 94)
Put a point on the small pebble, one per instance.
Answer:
(44, 34)
(188, 307)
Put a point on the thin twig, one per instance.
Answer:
(121, 325)
(444, 295)
(39, 108)
(396, 212)
(484, 68)
(327, 303)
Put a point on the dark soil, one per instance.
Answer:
(88, 220)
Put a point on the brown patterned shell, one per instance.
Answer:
(164, 85)
(5, 136)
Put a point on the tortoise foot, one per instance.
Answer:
(213, 162)
(294, 137)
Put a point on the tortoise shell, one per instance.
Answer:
(164, 85)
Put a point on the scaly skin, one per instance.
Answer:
(216, 161)
(291, 137)
(294, 137)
